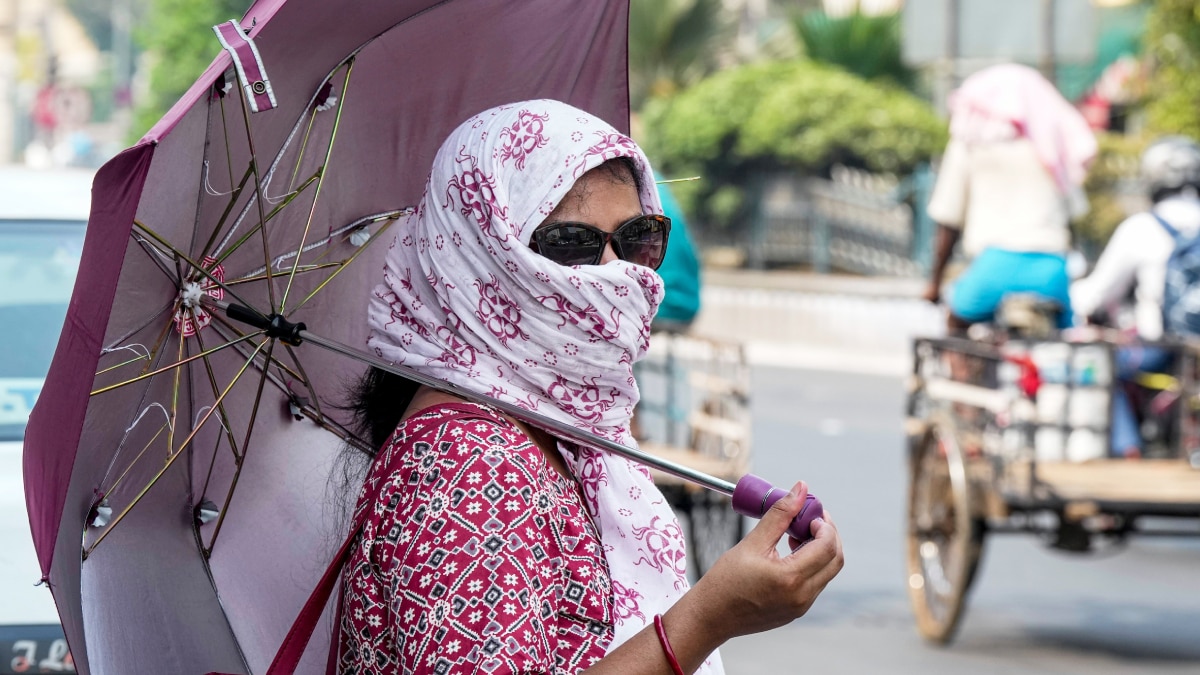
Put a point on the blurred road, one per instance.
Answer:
(1032, 610)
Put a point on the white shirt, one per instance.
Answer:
(1001, 196)
(1138, 252)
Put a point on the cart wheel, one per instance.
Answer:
(944, 538)
(714, 528)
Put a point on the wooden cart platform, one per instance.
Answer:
(1166, 481)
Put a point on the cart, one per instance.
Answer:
(695, 411)
(1001, 442)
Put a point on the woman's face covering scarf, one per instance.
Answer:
(464, 299)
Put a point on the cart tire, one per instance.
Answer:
(945, 539)
(714, 528)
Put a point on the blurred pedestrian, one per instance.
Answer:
(680, 271)
(1008, 185)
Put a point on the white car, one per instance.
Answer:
(43, 215)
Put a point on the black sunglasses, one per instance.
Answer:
(641, 240)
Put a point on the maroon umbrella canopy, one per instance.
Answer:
(178, 465)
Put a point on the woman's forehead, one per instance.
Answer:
(599, 193)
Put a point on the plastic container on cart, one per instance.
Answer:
(1049, 444)
(1053, 360)
(1052, 400)
(1091, 366)
(1088, 408)
(1085, 444)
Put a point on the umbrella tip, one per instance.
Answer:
(101, 513)
(206, 512)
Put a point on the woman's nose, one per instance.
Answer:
(609, 254)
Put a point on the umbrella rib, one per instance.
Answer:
(312, 117)
(171, 458)
(325, 241)
(159, 371)
(279, 364)
(199, 268)
(129, 468)
(153, 253)
(317, 193)
(336, 429)
(259, 198)
(228, 147)
(177, 375)
(287, 199)
(344, 264)
(305, 379)
(150, 361)
(260, 276)
(212, 380)
(115, 344)
(308, 410)
(159, 342)
(233, 197)
(237, 473)
(120, 365)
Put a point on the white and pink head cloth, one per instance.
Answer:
(1009, 100)
(464, 299)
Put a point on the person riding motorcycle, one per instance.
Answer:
(1009, 182)
(1136, 258)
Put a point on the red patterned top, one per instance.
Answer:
(478, 557)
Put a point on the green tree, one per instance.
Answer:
(868, 46)
(1173, 44)
(795, 116)
(672, 44)
(178, 35)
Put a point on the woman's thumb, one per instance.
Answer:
(775, 521)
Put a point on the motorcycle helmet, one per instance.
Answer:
(1170, 164)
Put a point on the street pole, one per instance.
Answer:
(1048, 47)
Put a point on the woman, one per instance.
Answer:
(489, 546)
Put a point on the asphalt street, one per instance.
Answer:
(1032, 610)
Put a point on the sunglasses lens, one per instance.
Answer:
(643, 241)
(570, 244)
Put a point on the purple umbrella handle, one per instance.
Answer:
(753, 496)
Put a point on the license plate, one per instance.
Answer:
(34, 649)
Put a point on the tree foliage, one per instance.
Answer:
(178, 35)
(868, 46)
(1173, 42)
(1110, 199)
(673, 43)
(799, 116)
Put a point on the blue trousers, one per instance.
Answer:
(996, 273)
(1131, 361)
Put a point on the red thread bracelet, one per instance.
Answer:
(666, 646)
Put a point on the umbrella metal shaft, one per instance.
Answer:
(561, 429)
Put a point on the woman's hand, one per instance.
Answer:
(752, 588)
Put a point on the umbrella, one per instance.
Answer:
(179, 462)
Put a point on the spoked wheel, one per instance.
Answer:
(944, 538)
(714, 528)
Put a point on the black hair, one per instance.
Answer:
(613, 168)
(376, 401)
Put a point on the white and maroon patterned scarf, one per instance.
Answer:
(464, 299)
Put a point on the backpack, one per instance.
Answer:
(1181, 293)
